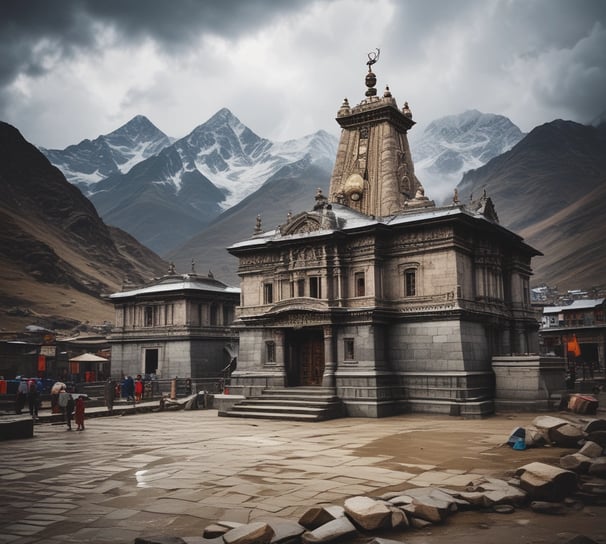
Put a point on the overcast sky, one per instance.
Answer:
(74, 69)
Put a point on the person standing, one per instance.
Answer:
(109, 394)
(138, 388)
(79, 414)
(66, 403)
(128, 389)
(22, 391)
(33, 398)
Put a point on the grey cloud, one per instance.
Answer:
(31, 29)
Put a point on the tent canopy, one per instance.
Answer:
(88, 358)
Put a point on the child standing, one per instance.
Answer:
(79, 415)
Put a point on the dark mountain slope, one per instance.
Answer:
(56, 255)
(538, 187)
(553, 166)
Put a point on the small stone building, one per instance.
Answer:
(177, 325)
(390, 302)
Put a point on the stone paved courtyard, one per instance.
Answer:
(173, 473)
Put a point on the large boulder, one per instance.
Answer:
(315, 517)
(368, 513)
(545, 482)
(567, 436)
(575, 461)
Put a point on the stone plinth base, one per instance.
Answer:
(528, 382)
(12, 427)
(224, 403)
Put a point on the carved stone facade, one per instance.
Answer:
(178, 325)
(393, 303)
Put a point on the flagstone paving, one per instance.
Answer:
(173, 473)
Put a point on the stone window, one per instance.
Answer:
(348, 344)
(228, 314)
(148, 316)
(300, 288)
(214, 314)
(270, 352)
(360, 285)
(315, 287)
(268, 293)
(410, 282)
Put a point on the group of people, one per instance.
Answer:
(70, 405)
(132, 389)
(28, 392)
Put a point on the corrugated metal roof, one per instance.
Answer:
(581, 304)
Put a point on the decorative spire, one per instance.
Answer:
(193, 266)
(455, 197)
(210, 274)
(371, 78)
(406, 110)
(171, 269)
(387, 93)
(258, 229)
(344, 109)
(321, 200)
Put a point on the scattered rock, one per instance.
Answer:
(595, 425)
(599, 437)
(333, 530)
(545, 482)
(575, 461)
(598, 467)
(367, 513)
(566, 436)
(256, 532)
(548, 422)
(591, 449)
(315, 517)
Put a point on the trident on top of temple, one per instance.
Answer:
(373, 57)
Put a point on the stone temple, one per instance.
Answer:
(383, 299)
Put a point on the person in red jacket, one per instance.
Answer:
(138, 388)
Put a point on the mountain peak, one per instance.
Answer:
(454, 144)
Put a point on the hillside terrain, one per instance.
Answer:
(57, 257)
(550, 189)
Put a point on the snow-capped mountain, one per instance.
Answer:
(169, 197)
(452, 145)
(238, 161)
(90, 161)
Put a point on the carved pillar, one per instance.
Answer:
(330, 358)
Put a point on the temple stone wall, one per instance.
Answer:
(528, 382)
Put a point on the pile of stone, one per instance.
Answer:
(579, 480)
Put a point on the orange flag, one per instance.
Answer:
(573, 346)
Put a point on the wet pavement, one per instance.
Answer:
(174, 472)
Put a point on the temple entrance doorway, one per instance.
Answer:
(304, 357)
(151, 361)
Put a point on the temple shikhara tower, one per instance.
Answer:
(376, 297)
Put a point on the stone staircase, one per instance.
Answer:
(293, 404)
